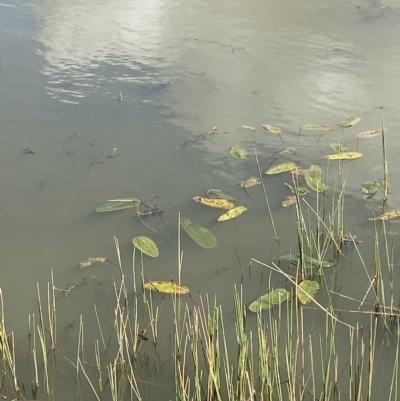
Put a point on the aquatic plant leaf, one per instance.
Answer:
(299, 190)
(267, 301)
(219, 194)
(300, 171)
(238, 151)
(272, 128)
(338, 147)
(90, 261)
(250, 182)
(201, 235)
(217, 203)
(315, 184)
(146, 245)
(307, 291)
(315, 171)
(118, 204)
(309, 262)
(316, 127)
(369, 134)
(166, 287)
(344, 156)
(287, 151)
(349, 122)
(289, 200)
(231, 214)
(280, 168)
(390, 214)
(369, 189)
(248, 127)
(381, 185)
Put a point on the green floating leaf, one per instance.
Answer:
(315, 171)
(146, 245)
(118, 204)
(233, 213)
(280, 168)
(315, 184)
(390, 214)
(272, 128)
(344, 156)
(238, 151)
(381, 185)
(349, 122)
(316, 127)
(218, 194)
(250, 182)
(309, 262)
(167, 287)
(296, 189)
(338, 147)
(369, 189)
(307, 290)
(267, 301)
(369, 134)
(287, 151)
(203, 237)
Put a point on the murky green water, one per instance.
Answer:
(169, 85)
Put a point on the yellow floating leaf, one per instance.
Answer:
(307, 290)
(167, 287)
(344, 156)
(248, 127)
(238, 151)
(289, 200)
(316, 127)
(390, 214)
(90, 261)
(250, 182)
(218, 203)
(369, 134)
(235, 212)
(280, 168)
(272, 128)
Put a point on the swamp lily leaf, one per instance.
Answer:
(90, 261)
(201, 235)
(248, 127)
(238, 151)
(272, 128)
(250, 182)
(369, 134)
(316, 127)
(287, 151)
(218, 194)
(280, 168)
(289, 200)
(146, 245)
(349, 122)
(344, 156)
(390, 214)
(299, 190)
(267, 301)
(307, 290)
(338, 147)
(231, 214)
(166, 287)
(309, 262)
(369, 189)
(118, 204)
(218, 203)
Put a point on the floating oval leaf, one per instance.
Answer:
(90, 261)
(218, 194)
(280, 168)
(369, 134)
(315, 184)
(267, 301)
(315, 171)
(338, 147)
(201, 235)
(218, 203)
(309, 262)
(286, 151)
(369, 189)
(167, 287)
(235, 212)
(390, 214)
(248, 127)
(146, 245)
(118, 204)
(272, 128)
(344, 156)
(349, 122)
(297, 189)
(290, 200)
(300, 171)
(316, 127)
(307, 290)
(250, 182)
(238, 151)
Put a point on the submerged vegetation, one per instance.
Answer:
(284, 345)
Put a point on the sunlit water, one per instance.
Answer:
(169, 85)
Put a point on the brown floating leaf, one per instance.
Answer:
(390, 214)
(289, 200)
(218, 203)
(272, 128)
(90, 261)
(250, 182)
(316, 127)
(369, 134)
